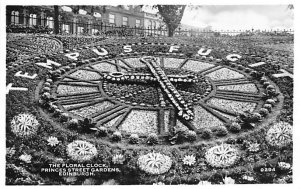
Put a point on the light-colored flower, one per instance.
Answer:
(223, 155)
(159, 183)
(10, 151)
(154, 163)
(52, 141)
(248, 178)
(81, 150)
(284, 165)
(189, 160)
(70, 179)
(228, 180)
(204, 182)
(279, 134)
(24, 125)
(59, 160)
(254, 147)
(26, 158)
(118, 159)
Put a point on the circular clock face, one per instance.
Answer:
(161, 94)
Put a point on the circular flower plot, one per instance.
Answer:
(223, 155)
(24, 125)
(279, 134)
(154, 163)
(81, 150)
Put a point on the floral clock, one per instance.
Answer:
(162, 94)
(144, 94)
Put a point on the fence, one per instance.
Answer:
(96, 27)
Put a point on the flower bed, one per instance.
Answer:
(242, 158)
(232, 105)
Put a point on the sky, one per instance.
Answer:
(239, 17)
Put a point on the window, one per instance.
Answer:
(111, 18)
(15, 17)
(32, 19)
(94, 31)
(66, 28)
(80, 29)
(137, 23)
(50, 21)
(97, 15)
(125, 21)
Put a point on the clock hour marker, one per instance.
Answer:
(125, 62)
(91, 102)
(210, 70)
(214, 113)
(79, 82)
(217, 108)
(232, 81)
(238, 96)
(108, 113)
(78, 98)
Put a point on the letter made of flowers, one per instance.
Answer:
(24, 125)
(223, 155)
(154, 163)
(81, 151)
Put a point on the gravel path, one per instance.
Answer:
(140, 122)
(196, 66)
(224, 73)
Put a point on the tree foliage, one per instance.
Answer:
(172, 15)
(56, 21)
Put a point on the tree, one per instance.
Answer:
(172, 15)
(56, 21)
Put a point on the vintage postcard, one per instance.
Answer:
(175, 94)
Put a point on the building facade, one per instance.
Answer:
(79, 19)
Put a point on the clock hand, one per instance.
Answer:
(118, 76)
(173, 95)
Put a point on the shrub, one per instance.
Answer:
(266, 83)
(271, 101)
(191, 135)
(240, 67)
(268, 107)
(64, 117)
(102, 131)
(73, 123)
(47, 84)
(256, 117)
(52, 108)
(134, 139)
(263, 79)
(57, 112)
(152, 139)
(235, 127)
(46, 96)
(116, 136)
(247, 70)
(270, 87)
(264, 112)
(46, 89)
(221, 131)
(206, 133)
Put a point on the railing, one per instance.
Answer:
(96, 27)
